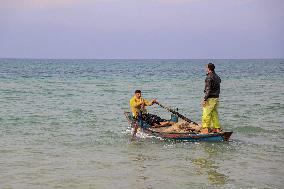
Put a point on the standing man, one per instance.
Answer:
(210, 101)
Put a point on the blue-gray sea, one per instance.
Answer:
(62, 125)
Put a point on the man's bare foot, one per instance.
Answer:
(204, 131)
(216, 130)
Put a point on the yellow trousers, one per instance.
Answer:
(210, 114)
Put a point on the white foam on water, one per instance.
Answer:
(140, 134)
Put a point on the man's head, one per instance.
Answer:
(138, 94)
(210, 68)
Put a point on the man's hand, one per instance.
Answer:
(204, 103)
(154, 101)
(142, 103)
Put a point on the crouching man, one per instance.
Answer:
(139, 112)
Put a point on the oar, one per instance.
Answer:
(176, 113)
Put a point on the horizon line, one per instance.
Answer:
(33, 58)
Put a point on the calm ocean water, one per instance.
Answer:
(62, 125)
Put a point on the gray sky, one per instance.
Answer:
(142, 28)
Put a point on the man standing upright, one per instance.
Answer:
(210, 101)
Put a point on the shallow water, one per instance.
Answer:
(62, 124)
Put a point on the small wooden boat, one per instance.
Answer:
(185, 136)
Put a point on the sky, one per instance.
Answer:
(141, 29)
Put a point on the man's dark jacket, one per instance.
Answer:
(212, 86)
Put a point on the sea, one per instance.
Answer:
(62, 124)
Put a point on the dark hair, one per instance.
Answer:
(211, 66)
(137, 91)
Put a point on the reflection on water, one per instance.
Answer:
(141, 178)
(138, 159)
(207, 166)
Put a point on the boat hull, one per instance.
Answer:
(192, 137)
